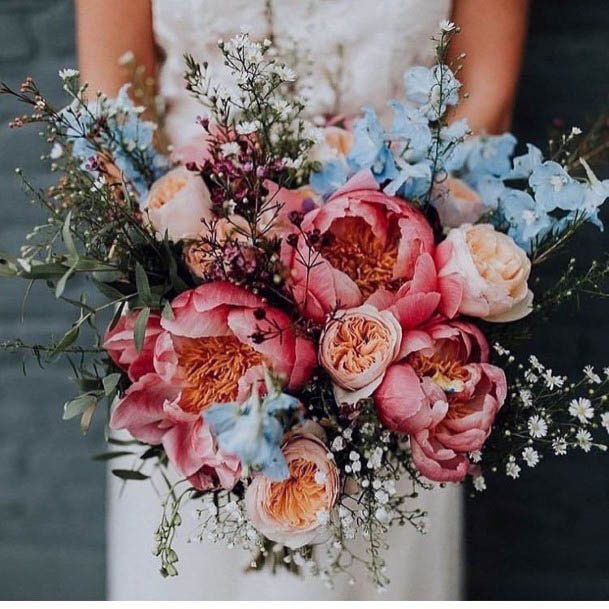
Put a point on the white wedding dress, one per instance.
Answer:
(358, 51)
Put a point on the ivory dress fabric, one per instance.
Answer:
(354, 53)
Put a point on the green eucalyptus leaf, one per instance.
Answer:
(139, 329)
(50, 270)
(112, 455)
(128, 474)
(110, 382)
(78, 406)
(143, 287)
(69, 338)
(61, 284)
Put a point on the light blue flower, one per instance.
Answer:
(370, 149)
(252, 431)
(490, 155)
(431, 89)
(526, 164)
(528, 220)
(333, 175)
(127, 138)
(412, 180)
(491, 190)
(410, 133)
(597, 192)
(555, 188)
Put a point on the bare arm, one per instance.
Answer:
(492, 36)
(107, 29)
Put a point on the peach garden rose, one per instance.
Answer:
(493, 269)
(177, 204)
(294, 512)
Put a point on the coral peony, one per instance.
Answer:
(211, 351)
(360, 241)
(120, 344)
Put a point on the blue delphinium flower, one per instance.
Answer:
(412, 180)
(555, 188)
(370, 149)
(431, 89)
(125, 136)
(528, 220)
(410, 133)
(596, 194)
(489, 155)
(334, 173)
(252, 432)
(525, 164)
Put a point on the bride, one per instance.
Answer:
(357, 51)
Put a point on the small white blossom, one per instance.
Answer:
(536, 363)
(479, 483)
(381, 496)
(320, 477)
(348, 434)
(530, 456)
(447, 26)
(322, 517)
(247, 127)
(581, 409)
(584, 440)
(476, 456)
(526, 397)
(592, 376)
(230, 148)
(500, 350)
(559, 445)
(286, 74)
(68, 73)
(605, 420)
(530, 377)
(382, 515)
(552, 381)
(338, 443)
(512, 469)
(575, 131)
(56, 151)
(374, 461)
(538, 428)
(356, 467)
(353, 456)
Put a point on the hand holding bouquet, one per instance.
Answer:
(303, 314)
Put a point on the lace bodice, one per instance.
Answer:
(356, 50)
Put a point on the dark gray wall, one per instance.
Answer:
(51, 493)
(542, 537)
(546, 536)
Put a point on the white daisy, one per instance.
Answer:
(551, 380)
(581, 409)
(247, 127)
(230, 148)
(559, 445)
(538, 428)
(605, 420)
(512, 469)
(530, 456)
(584, 440)
(592, 376)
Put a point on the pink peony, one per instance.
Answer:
(293, 512)
(440, 451)
(360, 240)
(493, 269)
(359, 345)
(177, 204)
(212, 351)
(120, 344)
(444, 394)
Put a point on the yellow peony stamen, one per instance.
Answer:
(213, 366)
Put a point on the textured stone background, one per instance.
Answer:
(542, 537)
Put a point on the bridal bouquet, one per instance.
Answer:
(311, 321)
